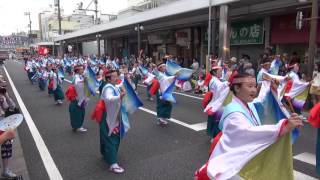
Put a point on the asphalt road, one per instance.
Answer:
(148, 151)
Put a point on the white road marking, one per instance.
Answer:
(142, 85)
(199, 126)
(67, 81)
(171, 119)
(17, 61)
(301, 176)
(182, 94)
(48, 162)
(306, 157)
(187, 95)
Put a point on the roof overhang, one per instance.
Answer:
(48, 43)
(178, 7)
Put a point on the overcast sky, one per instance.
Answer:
(13, 19)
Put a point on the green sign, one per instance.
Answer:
(248, 32)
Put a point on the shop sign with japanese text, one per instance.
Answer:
(248, 32)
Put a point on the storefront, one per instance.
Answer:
(286, 38)
(247, 37)
(156, 46)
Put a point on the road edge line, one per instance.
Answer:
(51, 168)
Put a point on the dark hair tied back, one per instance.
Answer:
(240, 75)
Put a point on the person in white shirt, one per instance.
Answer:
(315, 85)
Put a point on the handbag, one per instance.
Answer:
(10, 112)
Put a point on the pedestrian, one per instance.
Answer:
(103, 80)
(315, 86)
(244, 136)
(164, 107)
(57, 90)
(135, 75)
(303, 70)
(265, 67)
(275, 65)
(314, 120)
(78, 100)
(248, 68)
(233, 64)
(199, 85)
(43, 77)
(30, 70)
(150, 75)
(216, 85)
(50, 80)
(6, 104)
(284, 64)
(109, 107)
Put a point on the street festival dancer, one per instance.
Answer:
(56, 86)
(77, 96)
(164, 107)
(216, 88)
(43, 78)
(163, 86)
(29, 67)
(110, 123)
(239, 152)
(50, 79)
(118, 100)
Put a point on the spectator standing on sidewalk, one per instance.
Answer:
(315, 86)
(248, 69)
(304, 69)
(6, 104)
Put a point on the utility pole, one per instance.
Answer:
(98, 36)
(208, 62)
(96, 11)
(57, 4)
(312, 37)
(28, 14)
(59, 16)
(30, 25)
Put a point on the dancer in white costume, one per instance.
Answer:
(243, 135)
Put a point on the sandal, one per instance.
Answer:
(116, 170)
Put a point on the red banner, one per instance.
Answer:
(43, 50)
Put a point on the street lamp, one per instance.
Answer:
(139, 28)
(28, 14)
(98, 36)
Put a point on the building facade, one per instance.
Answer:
(49, 24)
(253, 25)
